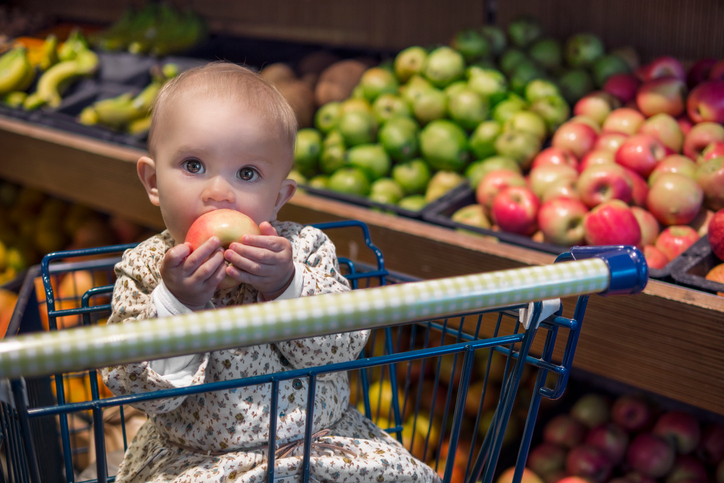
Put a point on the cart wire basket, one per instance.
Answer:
(448, 370)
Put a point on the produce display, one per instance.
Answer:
(625, 438)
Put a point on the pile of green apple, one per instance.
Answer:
(431, 119)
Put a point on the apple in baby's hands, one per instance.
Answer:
(228, 225)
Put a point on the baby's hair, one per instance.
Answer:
(232, 82)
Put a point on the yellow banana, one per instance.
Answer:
(139, 126)
(118, 111)
(56, 79)
(14, 66)
(50, 53)
(15, 98)
(145, 99)
(88, 116)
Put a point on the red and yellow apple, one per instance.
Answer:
(675, 199)
(675, 240)
(612, 223)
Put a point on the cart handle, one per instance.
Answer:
(44, 353)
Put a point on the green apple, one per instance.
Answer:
(444, 66)
(376, 81)
(519, 145)
(332, 158)
(409, 62)
(467, 108)
(524, 30)
(477, 170)
(482, 140)
(496, 38)
(372, 159)
(574, 84)
(412, 202)
(527, 121)
(355, 104)
(298, 177)
(441, 183)
(548, 53)
(553, 109)
(320, 182)
(606, 66)
(357, 127)
(327, 116)
(307, 149)
(510, 58)
(414, 88)
(399, 138)
(524, 72)
(507, 107)
(456, 86)
(538, 88)
(430, 104)
(472, 44)
(583, 49)
(333, 138)
(386, 190)
(489, 83)
(413, 176)
(473, 215)
(388, 105)
(444, 145)
(350, 181)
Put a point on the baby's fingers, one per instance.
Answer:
(198, 256)
(176, 255)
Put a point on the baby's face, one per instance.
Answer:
(215, 153)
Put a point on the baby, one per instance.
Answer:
(222, 137)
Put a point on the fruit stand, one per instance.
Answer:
(666, 340)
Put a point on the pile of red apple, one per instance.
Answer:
(640, 163)
(627, 441)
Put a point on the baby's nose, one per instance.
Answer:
(219, 190)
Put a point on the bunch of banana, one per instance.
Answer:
(16, 71)
(156, 29)
(75, 60)
(38, 61)
(126, 112)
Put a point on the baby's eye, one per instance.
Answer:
(248, 174)
(193, 166)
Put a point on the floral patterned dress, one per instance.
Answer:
(223, 435)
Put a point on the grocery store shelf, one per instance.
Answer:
(666, 340)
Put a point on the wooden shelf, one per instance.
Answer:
(667, 340)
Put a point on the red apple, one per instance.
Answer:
(541, 178)
(655, 258)
(685, 124)
(706, 102)
(592, 409)
(675, 240)
(717, 71)
(641, 153)
(680, 428)
(576, 137)
(229, 225)
(662, 95)
(713, 150)
(564, 188)
(631, 412)
(701, 135)
(590, 462)
(715, 234)
(666, 130)
(588, 121)
(640, 189)
(650, 455)
(611, 438)
(650, 227)
(624, 120)
(699, 72)
(546, 458)
(687, 468)
(515, 210)
(665, 66)
(555, 156)
(623, 86)
(612, 223)
(674, 199)
(604, 182)
(596, 105)
(673, 163)
(711, 446)
(561, 221)
(610, 141)
(596, 157)
(565, 431)
(710, 176)
(494, 182)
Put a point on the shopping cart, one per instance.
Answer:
(447, 370)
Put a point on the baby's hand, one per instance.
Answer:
(192, 277)
(264, 261)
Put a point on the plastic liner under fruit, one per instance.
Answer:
(690, 268)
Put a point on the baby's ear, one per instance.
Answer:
(146, 169)
(286, 191)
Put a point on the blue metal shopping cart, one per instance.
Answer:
(448, 369)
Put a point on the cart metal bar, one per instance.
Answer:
(101, 346)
